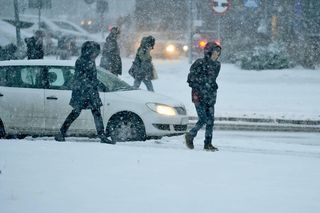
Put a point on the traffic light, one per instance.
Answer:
(202, 43)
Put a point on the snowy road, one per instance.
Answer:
(253, 172)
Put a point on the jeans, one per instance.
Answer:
(148, 83)
(206, 117)
(75, 114)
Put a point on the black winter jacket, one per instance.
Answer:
(202, 80)
(111, 59)
(34, 48)
(85, 93)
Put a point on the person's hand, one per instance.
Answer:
(195, 97)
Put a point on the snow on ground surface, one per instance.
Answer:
(288, 94)
(253, 172)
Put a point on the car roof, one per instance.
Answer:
(41, 62)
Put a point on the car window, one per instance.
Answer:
(30, 77)
(60, 78)
(26, 77)
(66, 26)
(3, 79)
(112, 82)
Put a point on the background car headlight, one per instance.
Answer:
(170, 48)
(185, 48)
(162, 109)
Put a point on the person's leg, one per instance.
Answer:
(209, 129)
(99, 126)
(202, 119)
(136, 83)
(189, 136)
(98, 121)
(149, 85)
(74, 114)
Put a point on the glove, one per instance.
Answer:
(195, 97)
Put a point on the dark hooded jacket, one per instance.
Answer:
(85, 93)
(111, 59)
(34, 48)
(202, 80)
(8, 52)
(142, 65)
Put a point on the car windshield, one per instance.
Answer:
(66, 26)
(112, 82)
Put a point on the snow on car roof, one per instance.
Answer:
(41, 62)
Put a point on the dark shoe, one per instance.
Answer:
(59, 137)
(209, 147)
(189, 140)
(104, 139)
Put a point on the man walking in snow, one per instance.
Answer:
(142, 69)
(111, 59)
(85, 94)
(35, 45)
(202, 80)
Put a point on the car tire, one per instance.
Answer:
(126, 127)
(2, 131)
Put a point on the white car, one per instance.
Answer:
(35, 95)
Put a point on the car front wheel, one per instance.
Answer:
(126, 127)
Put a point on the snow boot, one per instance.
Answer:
(210, 148)
(104, 139)
(189, 140)
(60, 137)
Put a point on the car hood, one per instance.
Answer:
(148, 97)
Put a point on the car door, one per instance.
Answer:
(22, 99)
(57, 98)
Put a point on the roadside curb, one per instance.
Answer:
(262, 124)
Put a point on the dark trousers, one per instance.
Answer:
(75, 114)
(206, 117)
(148, 83)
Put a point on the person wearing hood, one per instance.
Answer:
(35, 45)
(8, 52)
(202, 80)
(111, 59)
(85, 94)
(142, 69)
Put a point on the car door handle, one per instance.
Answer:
(1, 94)
(52, 98)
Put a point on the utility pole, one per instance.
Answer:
(17, 20)
(190, 31)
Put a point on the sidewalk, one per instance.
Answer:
(260, 124)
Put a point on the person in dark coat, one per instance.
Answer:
(111, 59)
(142, 69)
(202, 80)
(8, 52)
(35, 45)
(85, 93)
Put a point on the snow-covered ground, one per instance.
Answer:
(253, 171)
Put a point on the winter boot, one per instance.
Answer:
(59, 137)
(189, 140)
(210, 148)
(104, 139)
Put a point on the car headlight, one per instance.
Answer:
(162, 109)
(185, 48)
(170, 48)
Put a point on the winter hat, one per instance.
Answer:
(149, 41)
(90, 47)
(39, 34)
(115, 30)
(210, 48)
